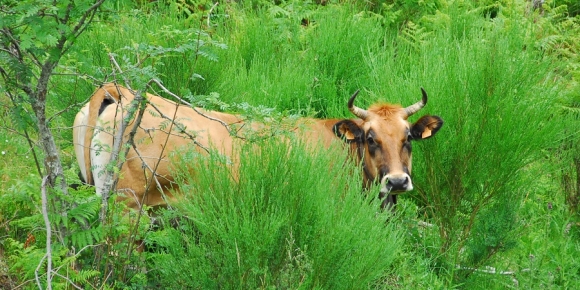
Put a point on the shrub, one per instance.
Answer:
(288, 218)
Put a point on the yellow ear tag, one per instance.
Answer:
(426, 133)
(349, 135)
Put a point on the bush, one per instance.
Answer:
(288, 218)
(498, 101)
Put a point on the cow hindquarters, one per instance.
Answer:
(79, 132)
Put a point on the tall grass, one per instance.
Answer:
(289, 218)
(498, 104)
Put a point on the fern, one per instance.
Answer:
(87, 237)
(414, 35)
(83, 276)
(573, 109)
(28, 222)
(85, 211)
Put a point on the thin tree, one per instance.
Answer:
(34, 36)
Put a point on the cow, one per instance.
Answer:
(379, 139)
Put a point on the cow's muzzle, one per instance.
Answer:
(396, 183)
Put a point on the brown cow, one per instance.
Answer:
(380, 138)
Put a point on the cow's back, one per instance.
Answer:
(155, 139)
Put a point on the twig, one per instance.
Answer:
(149, 182)
(37, 278)
(494, 271)
(180, 127)
(114, 62)
(209, 13)
(48, 254)
(68, 280)
(110, 179)
(28, 139)
(21, 285)
(154, 172)
(193, 107)
(489, 270)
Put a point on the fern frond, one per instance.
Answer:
(84, 276)
(575, 110)
(414, 34)
(85, 211)
(87, 237)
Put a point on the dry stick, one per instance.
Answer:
(36, 277)
(69, 282)
(193, 107)
(106, 192)
(110, 178)
(154, 177)
(154, 174)
(154, 171)
(21, 285)
(48, 254)
(137, 101)
(183, 131)
(182, 128)
(209, 14)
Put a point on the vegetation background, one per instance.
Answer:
(497, 190)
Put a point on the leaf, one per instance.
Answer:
(196, 76)
(50, 40)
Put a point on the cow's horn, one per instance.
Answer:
(363, 114)
(412, 109)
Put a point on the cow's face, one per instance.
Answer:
(382, 139)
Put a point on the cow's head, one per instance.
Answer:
(382, 139)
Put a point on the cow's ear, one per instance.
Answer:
(348, 130)
(426, 127)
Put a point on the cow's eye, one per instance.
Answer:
(370, 141)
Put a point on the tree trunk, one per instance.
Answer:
(52, 163)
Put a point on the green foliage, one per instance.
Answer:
(496, 190)
(500, 116)
(568, 157)
(273, 223)
(572, 6)
(278, 61)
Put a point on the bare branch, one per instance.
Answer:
(48, 254)
(68, 280)
(493, 271)
(154, 172)
(180, 127)
(193, 107)
(36, 276)
(110, 178)
(209, 13)
(80, 27)
(117, 67)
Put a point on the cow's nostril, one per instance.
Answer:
(398, 182)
